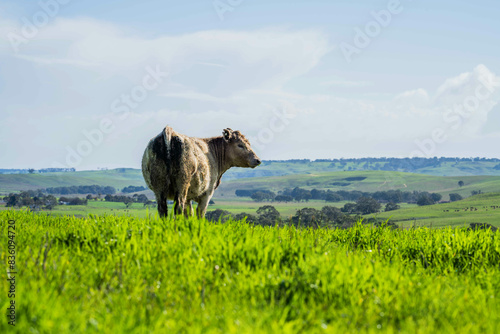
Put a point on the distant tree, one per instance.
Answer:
(249, 218)
(73, 200)
(211, 202)
(217, 215)
(133, 189)
(128, 202)
(476, 192)
(318, 194)
(244, 192)
(150, 204)
(333, 197)
(331, 214)
(12, 200)
(349, 208)
(31, 170)
(391, 207)
(141, 198)
(38, 200)
(283, 198)
(436, 197)
(307, 217)
(268, 215)
(461, 183)
(455, 197)
(50, 202)
(366, 205)
(258, 196)
(424, 199)
(89, 196)
(300, 194)
(26, 200)
(306, 196)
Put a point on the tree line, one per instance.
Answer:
(92, 189)
(38, 200)
(267, 215)
(299, 194)
(390, 164)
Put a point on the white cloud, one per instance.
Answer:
(347, 83)
(75, 68)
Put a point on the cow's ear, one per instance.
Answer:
(226, 134)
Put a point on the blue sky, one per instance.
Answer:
(423, 82)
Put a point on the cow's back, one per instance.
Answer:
(171, 160)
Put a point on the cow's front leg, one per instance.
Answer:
(202, 205)
(188, 209)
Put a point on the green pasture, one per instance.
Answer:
(437, 215)
(118, 274)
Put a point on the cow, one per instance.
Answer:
(186, 169)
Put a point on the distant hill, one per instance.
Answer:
(300, 172)
(368, 181)
(117, 178)
(430, 166)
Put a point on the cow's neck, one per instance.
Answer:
(219, 148)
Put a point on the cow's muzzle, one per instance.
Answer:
(255, 163)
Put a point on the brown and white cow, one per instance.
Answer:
(187, 169)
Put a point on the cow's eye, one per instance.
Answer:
(241, 146)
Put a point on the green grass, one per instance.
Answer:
(130, 275)
(98, 208)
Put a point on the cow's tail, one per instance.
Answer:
(167, 148)
(167, 140)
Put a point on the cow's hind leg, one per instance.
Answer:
(161, 198)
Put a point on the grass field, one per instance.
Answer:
(233, 205)
(438, 215)
(124, 274)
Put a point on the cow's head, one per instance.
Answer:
(239, 153)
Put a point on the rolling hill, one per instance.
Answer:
(368, 181)
(440, 176)
(118, 178)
